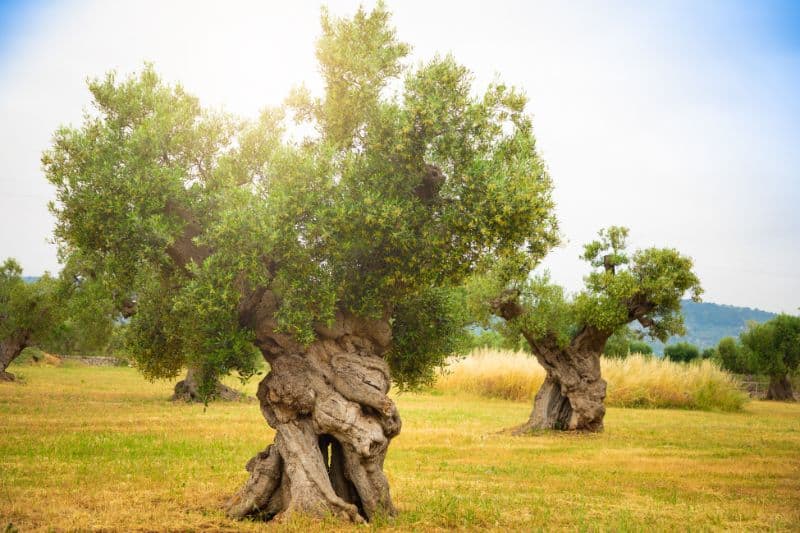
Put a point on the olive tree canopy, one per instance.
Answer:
(333, 256)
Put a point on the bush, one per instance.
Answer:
(637, 381)
(625, 342)
(681, 352)
(731, 357)
(640, 347)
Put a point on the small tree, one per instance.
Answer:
(334, 258)
(773, 348)
(682, 352)
(567, 335)
(731, 357)
(624, 342)
(49, 313)
(26, 313)
(640, 347)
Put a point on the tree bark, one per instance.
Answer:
(10, 348)
(333, 419)
(573, 392)
(188, 389)
(780, 388)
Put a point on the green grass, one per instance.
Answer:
(100, 448)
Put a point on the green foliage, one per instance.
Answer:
(646, 285)
(682, 352)
(427, 329)
(64, 315)
(624, 342)
(732, 357)
(773, 348)
(410, 180)
(27, 310)
(639, 346)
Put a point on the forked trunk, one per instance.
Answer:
(573, 392)
(780, 388)
(188, 389)
(10, 349)
(329, 406)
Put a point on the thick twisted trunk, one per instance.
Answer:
(10, 348)
(188, 389)
(780, 388)
(572, 395)
(329, 406)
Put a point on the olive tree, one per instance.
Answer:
(26, 313)
(773, 348)
(50, 313)
(335, 257)
(568, 334)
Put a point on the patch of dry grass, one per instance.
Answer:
(638, 381)
(101, 449)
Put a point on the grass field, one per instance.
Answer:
(100, 448)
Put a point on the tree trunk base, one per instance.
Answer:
(7, 376)
(576, 408)
(188, 390)
(333, 420)
(780, 388)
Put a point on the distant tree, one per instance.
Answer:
(773, 348)
(568, 335)
(334, 258)
(708, 353)
(640, 346)
(624, 342)
(731, 357)
(618, 344)
(50, 313)
(27, 313)
(682, 352)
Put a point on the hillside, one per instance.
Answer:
(707, 323)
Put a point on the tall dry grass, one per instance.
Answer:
(638, 381)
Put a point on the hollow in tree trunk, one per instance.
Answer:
(780, 388)
(188, 389)
(10, 348)
(573, 392)
(333, 419)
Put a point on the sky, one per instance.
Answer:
(680, 120)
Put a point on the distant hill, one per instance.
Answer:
(30, 279)
(707, 323)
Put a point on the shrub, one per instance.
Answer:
(640, 347)
(681, 352)
(637, 381)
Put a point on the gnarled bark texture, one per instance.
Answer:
(333, 419)
(573, 392)
(10, 348)
(780, 388)
(188, 389)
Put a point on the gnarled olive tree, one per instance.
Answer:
(568, 335)
(334, 257)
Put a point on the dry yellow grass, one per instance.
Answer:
(100, 449)
(638, 381)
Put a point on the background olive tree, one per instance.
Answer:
(773, 349)
(567, 334)
(68, 312)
